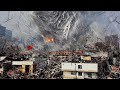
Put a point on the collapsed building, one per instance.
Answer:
(112, 41)
(12, 67)
(99, 63)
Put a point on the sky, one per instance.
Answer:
(20, 22)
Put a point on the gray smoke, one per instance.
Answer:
(68, 28)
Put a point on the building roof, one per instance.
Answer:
(2, 58)
(22, 62)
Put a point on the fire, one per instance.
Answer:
(49, 39)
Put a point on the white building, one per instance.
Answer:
(79, 70)
(2, 58)
(1, 67)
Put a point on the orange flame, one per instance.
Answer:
(49, 39)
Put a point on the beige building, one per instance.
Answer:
(86, 58)
(1, 70)
(79, 70)
(23, 65)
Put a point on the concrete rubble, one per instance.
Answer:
(47, 65)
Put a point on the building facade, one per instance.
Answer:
(8, 35)
(5, 33)
(79, 70)
(2, 31)
(23, 65)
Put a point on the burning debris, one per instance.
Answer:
(49, 39)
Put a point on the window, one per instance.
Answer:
(79, 73)
(79, 66)
(89, 75)
(73, 73)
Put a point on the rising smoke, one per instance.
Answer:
(55, 30)
(69, 29)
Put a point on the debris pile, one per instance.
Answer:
(52, 70)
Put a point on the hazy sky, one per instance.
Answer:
(20, 22)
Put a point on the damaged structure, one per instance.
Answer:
(79, 70)
(27, 66)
